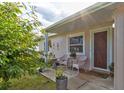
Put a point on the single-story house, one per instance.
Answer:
(98, 33)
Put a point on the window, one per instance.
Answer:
(76, 44)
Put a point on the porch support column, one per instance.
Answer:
(46, 47)
(119, 48)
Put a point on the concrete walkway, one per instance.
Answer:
(74, 83)
(96, 83)
(83, 81)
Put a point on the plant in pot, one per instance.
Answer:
(73, 55)
(111, 68)
(42, 67)
(61, 80)
(50, 58)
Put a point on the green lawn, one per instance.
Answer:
(35, 82)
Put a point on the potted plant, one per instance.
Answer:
(111, 68)
(42, 67)
(73, 55)
(61, 80)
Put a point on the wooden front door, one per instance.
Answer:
(100, 50)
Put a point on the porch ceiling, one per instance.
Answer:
(99, 17)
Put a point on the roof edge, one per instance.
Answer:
(86, 11)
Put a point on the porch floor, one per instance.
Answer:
(96, 82)
(83, 81)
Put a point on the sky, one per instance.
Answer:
(51, 12)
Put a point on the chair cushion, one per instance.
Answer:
(76, 66)
(64, 62)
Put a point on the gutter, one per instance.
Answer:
(79, 14)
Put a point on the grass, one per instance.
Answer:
(35, 82)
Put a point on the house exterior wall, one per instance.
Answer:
(62, 41)
(60, 44)
(87, 48)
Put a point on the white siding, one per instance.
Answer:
(58, 46)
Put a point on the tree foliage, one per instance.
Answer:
(18, 53)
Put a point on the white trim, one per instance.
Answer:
(109, 46)
(100, 70)
(74, 35)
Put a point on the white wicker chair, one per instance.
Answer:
(81, 61)
(63, 60)
(72, 64)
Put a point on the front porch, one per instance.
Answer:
(102, 33)
(84, 80)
